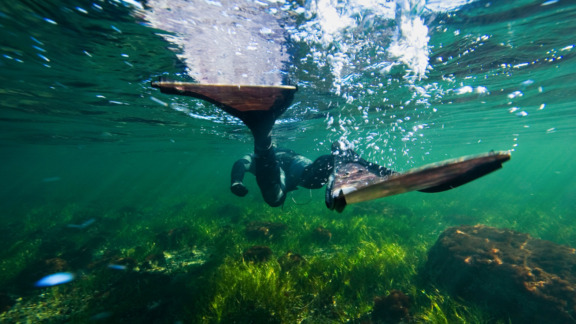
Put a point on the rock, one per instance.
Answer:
(257, 254)
(530, 280)
(393, 308)
(291, 260)
(322, 235)
(267, 230)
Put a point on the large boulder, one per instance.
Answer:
(530, 280)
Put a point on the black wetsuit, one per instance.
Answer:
(279, 171)
(283, 171)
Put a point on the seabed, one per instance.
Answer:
(209, 262)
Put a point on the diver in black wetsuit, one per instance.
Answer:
(294, 171)
(286, 170)
(346, 174)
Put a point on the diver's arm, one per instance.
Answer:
(239, 168)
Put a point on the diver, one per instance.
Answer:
(348, 177)
(279, 171)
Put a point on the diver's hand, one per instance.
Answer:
(239, 189)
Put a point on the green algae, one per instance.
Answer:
(189, 267)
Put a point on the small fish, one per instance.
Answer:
(117, 267)
(55, 279)
(83, 225)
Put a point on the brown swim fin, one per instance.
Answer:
(258, 106)
(353, 183)
(238, 98)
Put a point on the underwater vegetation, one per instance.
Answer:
(208, 262)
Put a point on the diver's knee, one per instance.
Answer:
(274, 196)
(273, 187)
(275, 202)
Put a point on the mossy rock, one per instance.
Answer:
(526, 279)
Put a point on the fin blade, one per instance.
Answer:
(242, 98)
(429, 178)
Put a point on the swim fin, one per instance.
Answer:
(353, 182)
(258, 106)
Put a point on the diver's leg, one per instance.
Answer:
(258, 107)
(269, 176)
(239, 168)
(350, 173)
(343, 154)
(316, 175)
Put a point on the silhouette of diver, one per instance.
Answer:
(349, 177)
(279, 171)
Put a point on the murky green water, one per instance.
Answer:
(84, 136)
